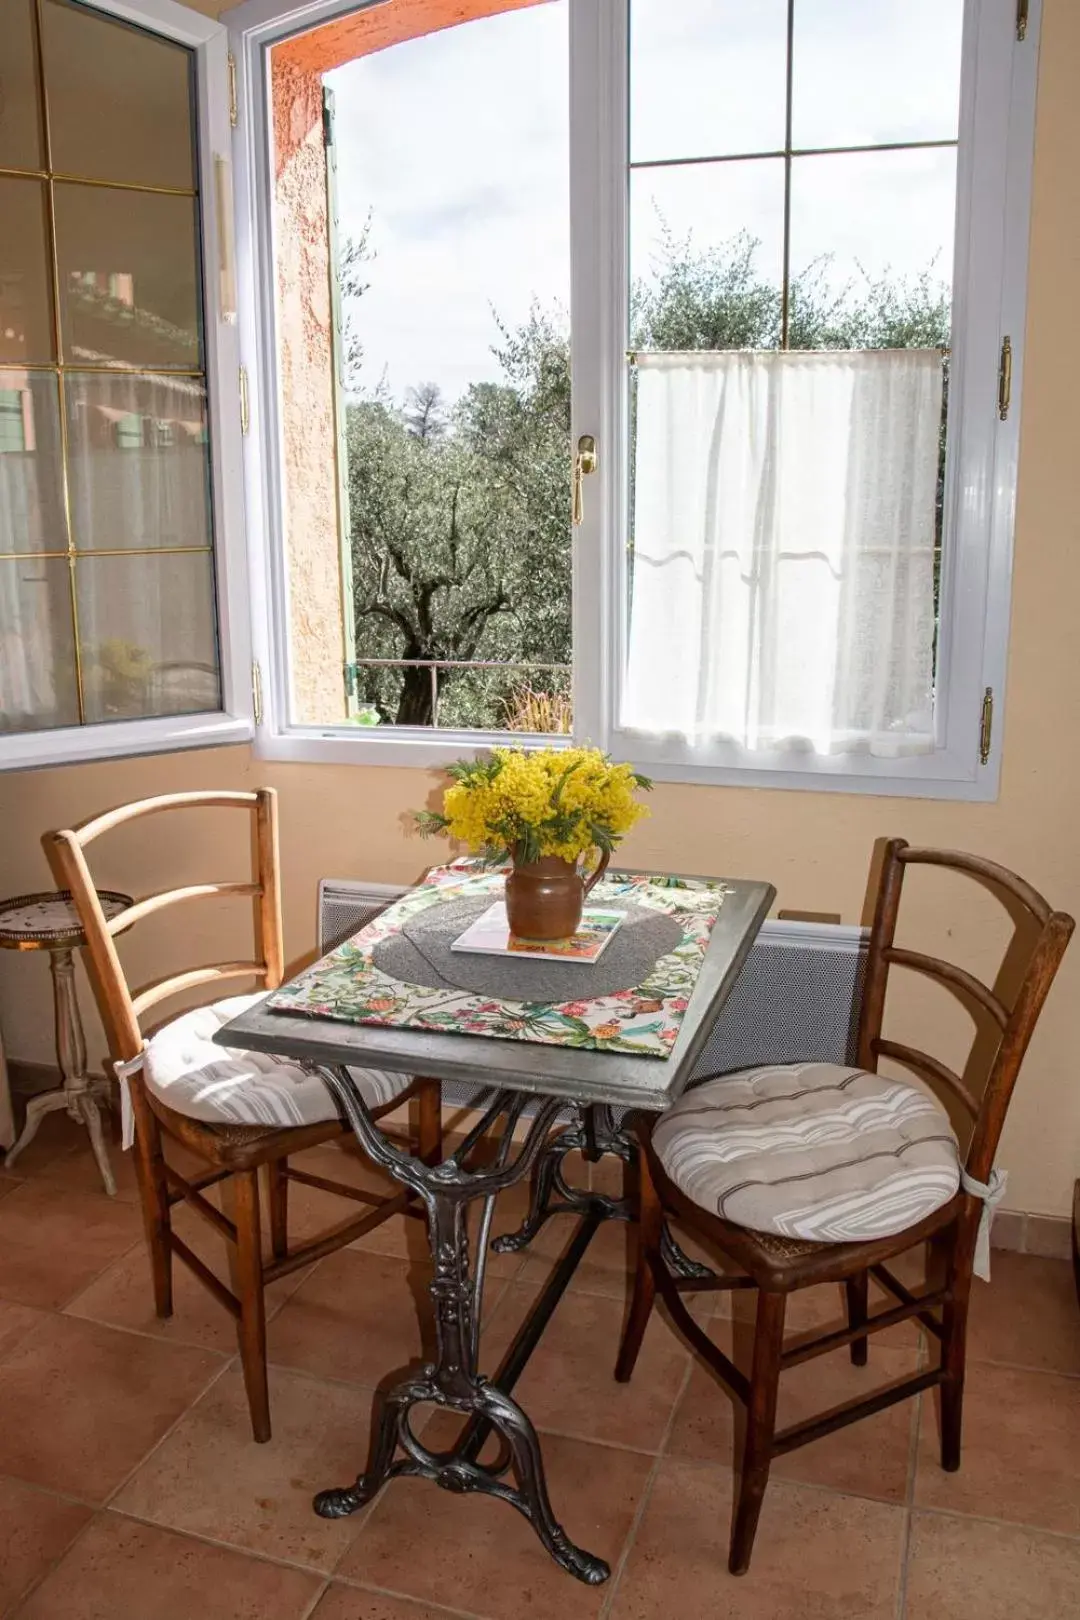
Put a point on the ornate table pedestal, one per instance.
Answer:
(48, 922)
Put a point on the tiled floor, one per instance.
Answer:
(130, 1488)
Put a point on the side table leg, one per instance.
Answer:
(91, 1117)
(46, 1102)
(71, 1053)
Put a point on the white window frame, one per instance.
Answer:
(997, 118)
(234, 722)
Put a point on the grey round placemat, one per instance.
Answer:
(421, 954)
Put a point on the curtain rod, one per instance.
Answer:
(632, 355)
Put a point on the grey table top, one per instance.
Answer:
(552, 1071)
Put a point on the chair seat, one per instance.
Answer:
(223, 1085)
(813, 1151)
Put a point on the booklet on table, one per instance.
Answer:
(490, 933)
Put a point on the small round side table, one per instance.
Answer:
(49, 922)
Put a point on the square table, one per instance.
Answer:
(591, 1084)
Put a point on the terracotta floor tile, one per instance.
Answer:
(123, 1295)
(120, 1570)
(211, 1479)
(98, 1399)
(76, 1170)
(8, 1184)
(1025, 1315)
(871, 1458)
(1021, 1450)
(57, 1136)
(481, 1556)
(569, 1384)
(356, 1317)
(53, 1243)
(817, 1554)
(35, 1529)
(958, 1568)
(607, 1268)
(360, 1603)
(16, 1322)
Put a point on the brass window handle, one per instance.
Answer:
(585, 462)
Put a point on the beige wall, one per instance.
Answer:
(815, 847)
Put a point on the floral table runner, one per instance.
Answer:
(348, 985)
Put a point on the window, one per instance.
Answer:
(116, 434)
(771, 264)
(646, 370)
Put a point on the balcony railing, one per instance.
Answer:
(434, 665)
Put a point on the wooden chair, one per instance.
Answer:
(231, 1150)
(777, 1265)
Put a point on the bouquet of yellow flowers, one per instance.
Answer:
(548, 801)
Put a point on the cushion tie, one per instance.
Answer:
(991, 1192)
(123, 1072)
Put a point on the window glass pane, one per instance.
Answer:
(119, 99)
(20, 114)
(140, 470)
(146, 627)
(706, 255)
(128, 265)
(37, 651)
(31, 481)
(872, 228)
(26, 328)
(426, 494)
(868, 73)
(707, 77)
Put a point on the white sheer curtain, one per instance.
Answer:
(783, 566)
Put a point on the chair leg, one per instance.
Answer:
(650, 1227)
(954, 1317)
(249, 1282)
(154, 1196)
(857, 1289)
(760, 1427)
(277, 1183)
(429, 1143)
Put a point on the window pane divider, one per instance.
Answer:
(793, 152)
(88, 180)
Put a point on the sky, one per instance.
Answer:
(457, 146)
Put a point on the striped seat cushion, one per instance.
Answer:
(814, 1151)
(228, 1086)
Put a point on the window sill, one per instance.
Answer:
(121, 739)
(927, 777)
(364, 745)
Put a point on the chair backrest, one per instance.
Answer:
(121, 1008)
(1040, 940)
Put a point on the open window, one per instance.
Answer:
(118, 531)
(597, 399)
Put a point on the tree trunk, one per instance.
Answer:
(414, 705)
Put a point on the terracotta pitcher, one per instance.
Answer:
(544, 898)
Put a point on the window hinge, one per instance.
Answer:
(1005, 378)
(1022, 9)
(986, 725)
(245, 411)
(234, 106)
(256, 691)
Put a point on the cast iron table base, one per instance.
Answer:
(452, 1380)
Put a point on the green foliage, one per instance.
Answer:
(460, 517)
